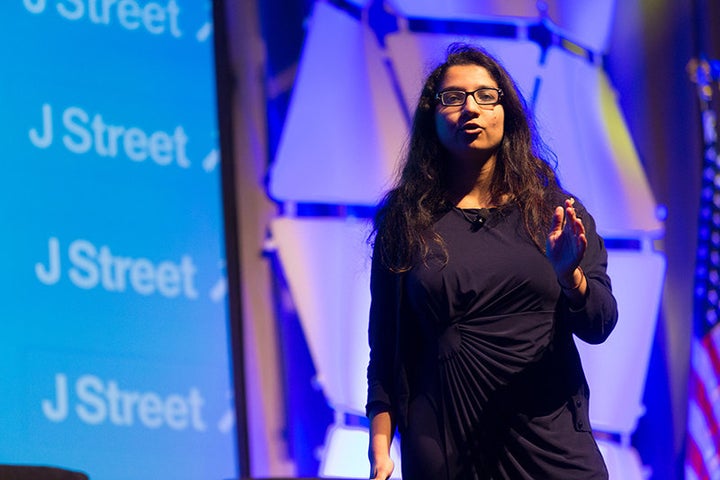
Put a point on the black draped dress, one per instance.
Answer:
(476, 361)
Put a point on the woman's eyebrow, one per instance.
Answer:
(460, 89)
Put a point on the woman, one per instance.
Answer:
(483, 269)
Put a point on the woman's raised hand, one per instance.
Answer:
(566, 242)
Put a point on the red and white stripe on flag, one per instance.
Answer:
(702, 459)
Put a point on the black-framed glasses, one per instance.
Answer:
(483, 96)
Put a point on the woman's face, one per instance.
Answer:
(469, 131)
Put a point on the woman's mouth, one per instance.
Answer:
(471, 128)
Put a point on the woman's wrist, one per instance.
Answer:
(575, 282)
(380, 435)
(575, 290)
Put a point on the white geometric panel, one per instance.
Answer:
(327, 265)
(465, 9)
(579, 118)
(345, 126)
(616, 369)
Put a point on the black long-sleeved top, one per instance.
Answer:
(475, 359)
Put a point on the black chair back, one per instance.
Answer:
(28, 472)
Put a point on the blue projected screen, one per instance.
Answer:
(114, 344)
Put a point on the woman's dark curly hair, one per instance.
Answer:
(524, 171)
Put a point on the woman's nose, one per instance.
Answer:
(471, 105)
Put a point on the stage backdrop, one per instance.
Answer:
(113, 320)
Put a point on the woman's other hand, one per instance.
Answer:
(381, 468)
(381, 465)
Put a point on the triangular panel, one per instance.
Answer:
(345, 126)
(327, 264)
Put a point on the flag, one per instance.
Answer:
(702, 453)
